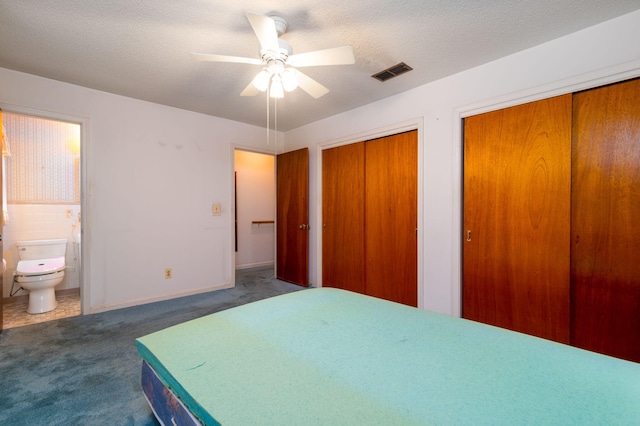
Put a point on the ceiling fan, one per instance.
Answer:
(279, 64)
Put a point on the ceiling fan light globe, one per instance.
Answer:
(261, 80)
(276, 89)
(289, 80)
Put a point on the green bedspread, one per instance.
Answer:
(327, 356)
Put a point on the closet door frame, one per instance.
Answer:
(577, 83)
(405, 126)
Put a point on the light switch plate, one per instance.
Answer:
(216, 209)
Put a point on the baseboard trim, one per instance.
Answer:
(254, 265)
(111, 307)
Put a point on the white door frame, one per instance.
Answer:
(258, 150)
(85, 179)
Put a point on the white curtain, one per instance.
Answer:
(5, 153)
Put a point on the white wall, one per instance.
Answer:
(255, 199)
(152, 173)
(597, 55)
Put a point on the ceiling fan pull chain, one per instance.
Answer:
(268, 124)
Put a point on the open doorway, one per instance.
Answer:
(254, 209)
(42, 183)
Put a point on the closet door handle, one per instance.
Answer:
(469, 235)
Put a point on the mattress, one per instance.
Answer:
(329, 356)
(167, 407)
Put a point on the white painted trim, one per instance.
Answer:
(138, 302)
(573, 84)
(85, 194)
(255, 265)
(414, 124)
(380, 132)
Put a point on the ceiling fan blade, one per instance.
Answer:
(265, 29)
(250, 90)
(310, 86)
(224, 58)
(335, 56)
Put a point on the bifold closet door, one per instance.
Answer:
(343, 208)
(391, 217)
(605, 211)
(517, 183)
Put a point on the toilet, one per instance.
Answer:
(40, 270)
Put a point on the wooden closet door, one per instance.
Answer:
(343, 217)
(292, 217)
(517, 182)
(391, 217)
(605, 210)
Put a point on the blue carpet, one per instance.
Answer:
(85, 370)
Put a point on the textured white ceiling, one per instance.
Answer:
(141, 48)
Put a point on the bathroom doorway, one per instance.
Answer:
(254, 175)
(42, 201)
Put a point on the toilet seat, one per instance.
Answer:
(37, 267)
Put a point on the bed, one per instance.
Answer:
(333, 357)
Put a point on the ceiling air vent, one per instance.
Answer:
(391, 72)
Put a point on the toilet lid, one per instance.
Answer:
(40, 266)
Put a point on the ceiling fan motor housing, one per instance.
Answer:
(279, 64)
(281, 55)
(281, 24)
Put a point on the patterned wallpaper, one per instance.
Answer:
(44, 163)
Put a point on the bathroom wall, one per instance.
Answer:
(255, 199)
(37, 222)
(42, 178)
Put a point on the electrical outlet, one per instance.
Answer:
(167, 273)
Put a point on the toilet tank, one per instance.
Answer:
(42, 249)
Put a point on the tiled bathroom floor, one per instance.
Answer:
(15, 313)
